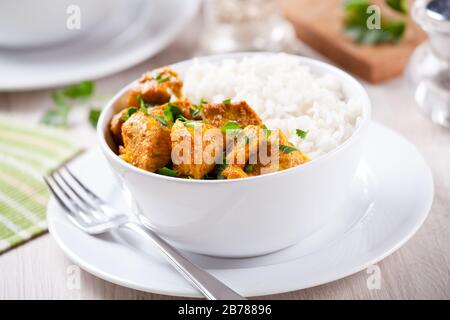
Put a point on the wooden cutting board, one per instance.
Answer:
(319, 24)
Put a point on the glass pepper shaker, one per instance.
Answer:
(428, 71)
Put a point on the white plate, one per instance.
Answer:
(388, 202)
(140, 30)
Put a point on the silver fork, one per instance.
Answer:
(94, 216)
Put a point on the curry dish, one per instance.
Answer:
(160, 131)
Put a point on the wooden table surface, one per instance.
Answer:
(419, 270)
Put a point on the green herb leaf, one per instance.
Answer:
(355, 25)
(143, 110)
(56, 117)
(83, 89)
(128, 114)
(166, 172)
(172, 112)
(203, 101)
(286, 149)
(183, 119)
(141, 102)
(162, 78)
(249, 168)
(230, 125)
(394, 30)
(58, 99)
(143, 105)
(195, 110)
(176, 111)
(162, 120)
(192, 123)
(356, 5)
(398, 5)
(226, 101)
(94, 114)
(267, 132)
(217, 173)
(302, 134)
(168, 114)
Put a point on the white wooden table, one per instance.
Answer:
(420, 269)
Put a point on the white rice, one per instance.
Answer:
(286, 95)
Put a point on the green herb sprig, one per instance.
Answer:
(230, 125)
(164, 171)
(63, 101)
(302, 134)
(357, 15)
(128, 114)
(286, 149)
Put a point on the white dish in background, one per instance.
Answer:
(144, 29)
(243, 217)
(31, 23)
(386, 205)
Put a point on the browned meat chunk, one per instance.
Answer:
(146, 142)
(195, 158)
(116, 126)
(245, 160)
(183, 105)
(219, 114)
(156, 87)
(289, 159)
(234, 172)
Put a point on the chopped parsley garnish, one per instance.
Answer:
(143, 110)
(192, 123)
(58, 116)
(286, 149)
(357, 15)
(302, 134)
(203, 101)
(166, 172)
(216, 174)
(128, 114)
(267, 132)
(160, 78)
(94, 114)
(162, 120)
(249, 168)
(226, 101)
(230, 125)
(143, 105)
(195, 110)
(173, 112)
(82, 89)
(182, 119)
(398, 5)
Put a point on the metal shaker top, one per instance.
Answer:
(438, 10)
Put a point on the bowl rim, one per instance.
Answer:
(339, 73)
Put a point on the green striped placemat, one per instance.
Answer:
(27, 152)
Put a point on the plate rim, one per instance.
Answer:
(87, 266)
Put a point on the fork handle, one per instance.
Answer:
(211, 287)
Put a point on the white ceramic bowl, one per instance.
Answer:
(33, 23)
(244, 217)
